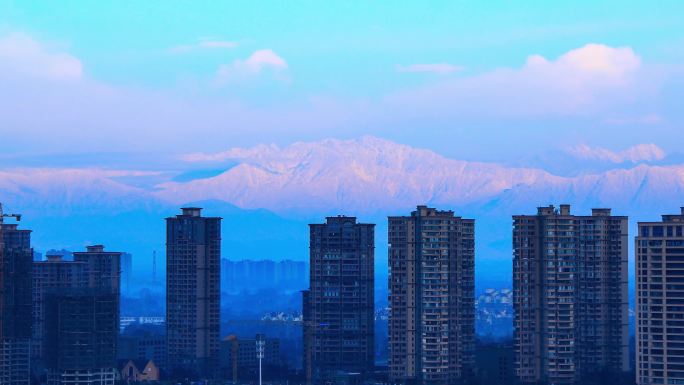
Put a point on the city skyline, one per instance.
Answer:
(370, 174)
(432, 269)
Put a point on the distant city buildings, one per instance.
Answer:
(570, 295)
(126, 271)
(431, 285)
(16, 258)
(249, 275)
(193, 252)
(494, 314)
(127, 321)
(660, 301)
(339, 305)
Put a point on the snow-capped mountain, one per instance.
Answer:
(372, 175)
(366, 177)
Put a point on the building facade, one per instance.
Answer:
(570, 296)
(193, 253)
(339, 305)
(16, 259)
(76, 316)
(52, 273)
(81, 336)
(431, 296)
(660, 301)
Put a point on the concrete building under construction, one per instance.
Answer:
(16, 258)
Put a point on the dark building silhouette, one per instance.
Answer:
(52, 273)
(239, 361)
(431, 296)
(495, 363)
(143, 345)
(76, 316)
(16, 259)
(660, 301)
(193, 252)
(570, 295)
(81, 336)
(339, 305)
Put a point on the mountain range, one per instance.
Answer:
(265, 191)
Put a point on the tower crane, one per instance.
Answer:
(3, 216)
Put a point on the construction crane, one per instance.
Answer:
(2, 239)
(3, 216)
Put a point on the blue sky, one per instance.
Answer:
(175, 77)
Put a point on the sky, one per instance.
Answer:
(141, 84)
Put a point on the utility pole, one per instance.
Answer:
(260, 348)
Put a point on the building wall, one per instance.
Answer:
(16, 258)
(193, 250)
(570, 295)
(660, 301)
(239, 358)
(81, 336)
(50, 274)
(339, 314)
(431, 285)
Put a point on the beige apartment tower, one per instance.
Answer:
(570, 296)
(431, 296)
(659, 254)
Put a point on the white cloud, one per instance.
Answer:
(635, 154)
(21, 54)
(258, 62)
(435, 68)
(579, 82)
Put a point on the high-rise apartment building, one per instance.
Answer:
(339, 305)
(431, 296)
(16, 259)
(76, 316)
(52, 273)
(570, 295)
(81, 336)
(660, 301)
(193, 254)
(102, 267)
